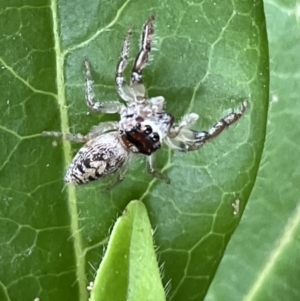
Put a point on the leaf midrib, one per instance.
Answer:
(71, 193)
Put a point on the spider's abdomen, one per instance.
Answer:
(97, 159)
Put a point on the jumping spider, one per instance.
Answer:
(143, 125)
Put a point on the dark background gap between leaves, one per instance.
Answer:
(211, 55)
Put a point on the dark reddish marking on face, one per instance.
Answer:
(145, 141)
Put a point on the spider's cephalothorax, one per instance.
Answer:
(142, 127)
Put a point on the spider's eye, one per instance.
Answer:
(138, 126)
(148, 130)
(155, 137)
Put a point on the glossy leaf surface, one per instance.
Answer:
(262, 259)
(211, 56)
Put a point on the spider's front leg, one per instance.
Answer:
(136, 79)
(189, 140)
(218, 128)
(110, 107)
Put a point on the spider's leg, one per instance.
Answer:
(155, 173)
(110, 107)
(95, 131)
(71, 137)
(122, 88)
(104, 127)
(113, 183)
(142, 59)
(118, 180)
(219, 127)
(189, 140)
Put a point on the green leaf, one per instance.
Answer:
(262, 260)
(129, 268)
(211, 56)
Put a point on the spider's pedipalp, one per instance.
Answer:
(110, 107)
(186, 121)
(123, 89)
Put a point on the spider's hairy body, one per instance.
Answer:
(98, 158)
(143, 126)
